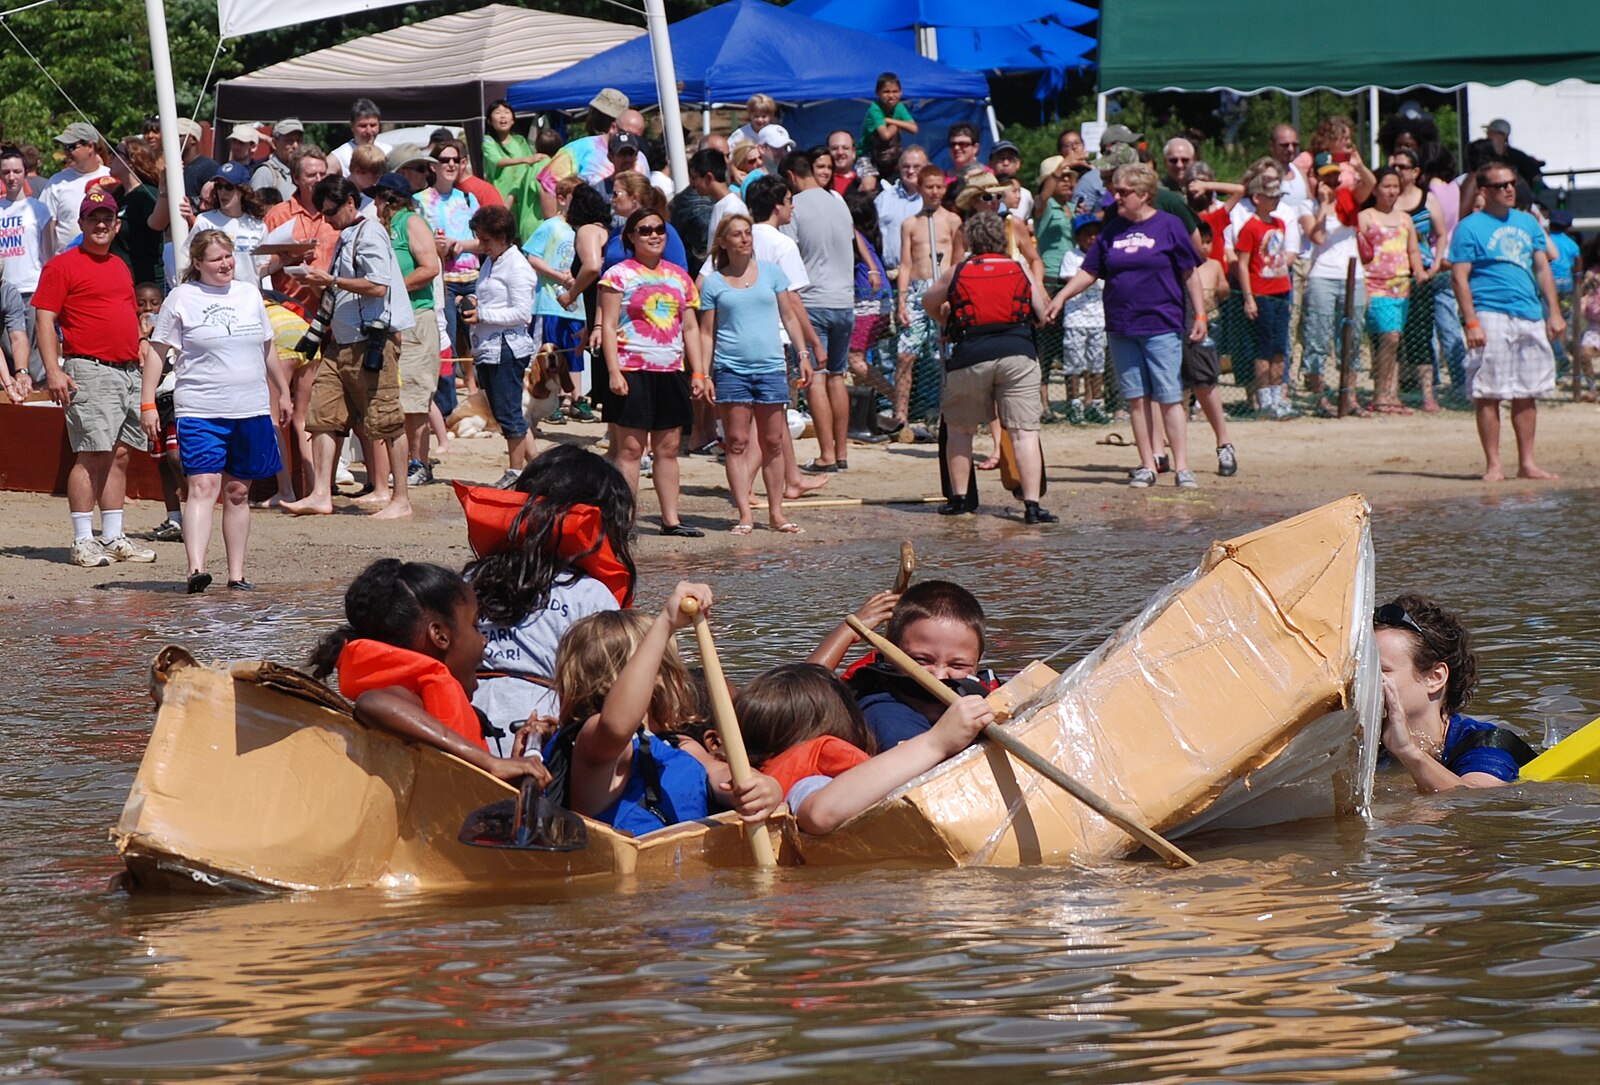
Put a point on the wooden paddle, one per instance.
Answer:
(908, 565)
(728, 727)
(1022, 752)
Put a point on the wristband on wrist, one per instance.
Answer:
(1470, 324)
(697, 378)
(148, 407)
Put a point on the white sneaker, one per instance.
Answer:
(89, 554)
(343, 477)
(123, 548)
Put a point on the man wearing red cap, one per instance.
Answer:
(92, 369)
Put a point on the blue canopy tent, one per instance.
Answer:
(824, 74)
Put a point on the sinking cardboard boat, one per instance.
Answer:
(1244, 694)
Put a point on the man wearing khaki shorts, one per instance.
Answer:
(993, 367)
(92, 369)
(418, 261)
(366, 312)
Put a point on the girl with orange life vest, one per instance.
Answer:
(993, 366)
(408, 658)
(552, 550)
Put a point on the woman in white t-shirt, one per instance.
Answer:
(1330, 224)
(222, 338)
(238, 214)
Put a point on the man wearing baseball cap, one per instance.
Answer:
(1006, 162)
(242, 141)
(198, 167)
(1091, 191)
(276, 171)
(589, 156)
(64, 192)
(92, 369)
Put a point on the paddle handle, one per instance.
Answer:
(908, 565)
(727, 724)
(1013, 745)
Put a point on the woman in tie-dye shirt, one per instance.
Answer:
(648, 328)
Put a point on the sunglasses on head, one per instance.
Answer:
(1394, 616)
(650, 231)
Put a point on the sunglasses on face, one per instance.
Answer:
(1121, 193)
(988, 197)
(961, 143)
(649, 231)
(1502, 185)
(452, 160)
(1394, 616)
(1178, 158)
(223, 186)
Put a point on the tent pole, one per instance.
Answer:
(994, 122)
(1372, 122)
(655, 17)
(705, 120)
(1294, 112)
(1100, 108)
(155, 14)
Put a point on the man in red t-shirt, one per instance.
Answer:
(1263, 276)
(92, 369)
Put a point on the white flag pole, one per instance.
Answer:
(167, 106)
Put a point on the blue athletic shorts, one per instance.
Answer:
(246, 448)
(1386, 314)
(566, 335)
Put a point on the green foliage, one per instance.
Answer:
(99, 51)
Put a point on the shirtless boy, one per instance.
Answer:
(919, 334)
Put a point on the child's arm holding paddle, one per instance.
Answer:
(873, 613)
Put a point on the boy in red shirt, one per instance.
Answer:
(1263, 276)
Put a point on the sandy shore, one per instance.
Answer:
(1285, 467)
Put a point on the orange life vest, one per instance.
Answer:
(825, 756)
(370, 664)
(581, 541)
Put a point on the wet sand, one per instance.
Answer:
(1285, 467)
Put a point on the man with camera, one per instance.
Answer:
(364, 309)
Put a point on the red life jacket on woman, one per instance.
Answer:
(366, 665)
(991, 302)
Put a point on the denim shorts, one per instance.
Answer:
(502, 383)
(1149, 365)
(833, 327)
(245, 448)
(1272, 325)
(769, 388)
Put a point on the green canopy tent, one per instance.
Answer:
(1154, 45)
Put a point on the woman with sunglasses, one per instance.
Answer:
(448, 208)
(1147, 262)
(1427, 217)
(237, 213)
(647, 330)
(1429, 673)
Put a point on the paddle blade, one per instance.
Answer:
(537, 824)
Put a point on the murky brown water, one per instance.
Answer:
(1453, 940)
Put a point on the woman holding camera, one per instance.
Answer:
(499, 316)
(226, 364)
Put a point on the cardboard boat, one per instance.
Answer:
(1244, 694)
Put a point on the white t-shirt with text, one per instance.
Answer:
(219, 333)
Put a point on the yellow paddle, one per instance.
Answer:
(728, 727)
(1022, 752)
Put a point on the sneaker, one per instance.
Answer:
(241, 585)
(1186, 481)
(1283, 410)
(89, 554)
(1034, 513)
(556, 418)
(343, 477)
(421, 474)
(1227, 462)
(1049, 418)
(583, 412)
(507, 480)
(123, 548)
(168, 531)
(1075, 412)
(1096, 413)
(647, 467)
(1142, 478)
(955, 506)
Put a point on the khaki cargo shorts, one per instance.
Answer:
(419, 364)
(105, 409)
(1009, 386)
(344, 394)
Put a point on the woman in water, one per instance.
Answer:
(1429, 673)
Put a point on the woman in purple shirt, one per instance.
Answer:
(1147, 262)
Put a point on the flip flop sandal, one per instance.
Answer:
(1115, 440)
(790, 528)
(741, 529)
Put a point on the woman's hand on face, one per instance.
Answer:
(1396, 732)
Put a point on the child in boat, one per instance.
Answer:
(408, 657)
(802, 727)
(566, 556)
(1429, 673)
(618, 756)
(940, 625)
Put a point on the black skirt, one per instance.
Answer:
(655, 401)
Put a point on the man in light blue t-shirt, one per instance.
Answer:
(1503, 284)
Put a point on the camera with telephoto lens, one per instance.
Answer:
(377, 333)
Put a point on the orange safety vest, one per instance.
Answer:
(581, 541)
(371, 664)
(824, 756)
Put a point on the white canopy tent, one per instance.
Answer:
(442, 70)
